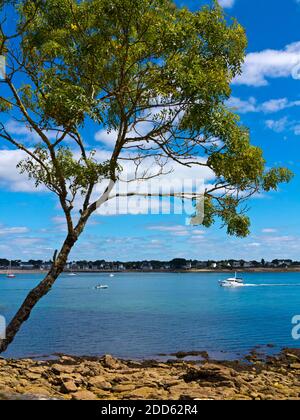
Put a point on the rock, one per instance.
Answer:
(173, 382)
(292, 356)
(36, 390)
(83, 370)
(103, 395)
(163, 366)
(58, 369)
(123, 388)
(295, 366)
(68, 359)
(37, 369)
(99, 382)
(143, 393)
(111, 363)
(76, 377)
(4, 389)
(183, 355)
(68, 387)
(109, 378)
(28, 397)
(84, 395)
(32, 376)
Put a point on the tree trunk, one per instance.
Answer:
(37, 293)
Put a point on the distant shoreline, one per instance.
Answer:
(195, 271)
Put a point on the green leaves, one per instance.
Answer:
(67, 104)
(133, 50)
(4, 105)
(78, 174)
(238, 225)
(130, 63)
(275, 176)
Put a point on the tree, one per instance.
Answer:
(154, 75)
(178, 263)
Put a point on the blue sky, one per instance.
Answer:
(268, 100)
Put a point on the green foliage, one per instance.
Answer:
(118, 61)
(4, 105)
(275, 176)
(78, 174)
(133, 49)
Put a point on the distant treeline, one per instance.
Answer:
(175, 264)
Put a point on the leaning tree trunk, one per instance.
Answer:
(37, 293)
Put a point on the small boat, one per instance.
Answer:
(9, 274)
(111, 275)
(72, 274)
(101, 286)
(232, 282)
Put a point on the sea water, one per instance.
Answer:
(142, 315)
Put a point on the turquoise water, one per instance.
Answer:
(142, 315)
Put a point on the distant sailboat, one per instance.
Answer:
(9, 274)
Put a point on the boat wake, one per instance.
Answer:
(271, 285)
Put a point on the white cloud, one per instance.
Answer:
(21, 130)
(171, 229)
(250, 105)
(269, 230)
(242, 106)
(179, 230)
(108, 138)
(177, 177)
(13, 230)
(10, 178)
(261, 66)
(275, 105)
(59, 220)
(15, 128)
(277, 125)
(226, 3)
(279, 239)
(284, 124)
(24, 242)
(296, 128)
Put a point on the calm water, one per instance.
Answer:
(142, 315)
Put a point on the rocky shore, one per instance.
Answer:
(112, 379)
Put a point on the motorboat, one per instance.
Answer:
(72, 274)
(111, 275)
(101, 286)
(232, 282)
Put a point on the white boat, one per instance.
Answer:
(72, 274)
(232, 282)
(111, 275)
(101, 286)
